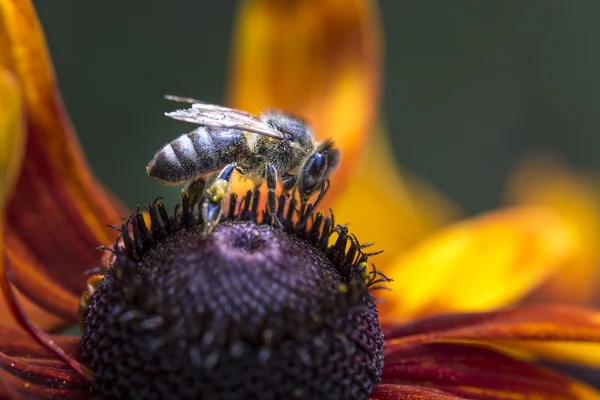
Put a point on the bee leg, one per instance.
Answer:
(194, 189)
(272, 197)
(213, 197)
(308, 212)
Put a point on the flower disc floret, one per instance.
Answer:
(248, 311)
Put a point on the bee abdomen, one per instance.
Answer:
(197, 153)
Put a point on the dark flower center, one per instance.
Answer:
(246, 312)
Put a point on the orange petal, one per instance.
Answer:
(12, 137)
(319, 59)
(551, 332)
(576, 199)
(59, 211)
(477, 372)
(478, 264)
(388, 206)
(12, 143)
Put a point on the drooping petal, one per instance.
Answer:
(27, 371)
(386, 205)
(551, 332)
(385, 391)
(478, 264)
(477, 372)
(59, 211)
(319, 59)
(575, 198)
(30, 330)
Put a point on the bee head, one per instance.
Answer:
(317, 168)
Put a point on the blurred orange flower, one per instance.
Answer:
(321, 60)
(327, 69)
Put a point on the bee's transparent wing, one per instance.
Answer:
(222, 117)
(181, 99)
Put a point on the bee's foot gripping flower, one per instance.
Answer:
(248, 311)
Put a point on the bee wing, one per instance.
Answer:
(223, 117)
(181, 99)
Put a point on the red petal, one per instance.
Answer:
(15, 344)
(49, 294)
(477, 372)
(28, 371)
(407, 392)
(30, 380)
(32, 332)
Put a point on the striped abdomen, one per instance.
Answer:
(199, 152)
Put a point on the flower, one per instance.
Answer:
(339, 93)
(242, 311)
(249, 311)
(57, 212)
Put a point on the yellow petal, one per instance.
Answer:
(576, 199)
(560, 333)
(386, 205)
(587, 354)
(12, 136)
(478, 264)
(12, 140)
(319, 59)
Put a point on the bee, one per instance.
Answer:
(276, 147)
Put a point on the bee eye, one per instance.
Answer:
(313, 173)
(316, 164)
(318, 167)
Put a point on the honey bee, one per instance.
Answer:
(276, 146)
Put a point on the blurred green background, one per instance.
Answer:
(470, 86)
